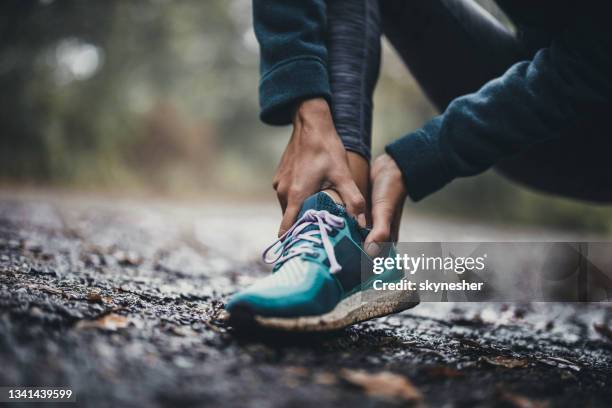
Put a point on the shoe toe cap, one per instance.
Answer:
(314, 297)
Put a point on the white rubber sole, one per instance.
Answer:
(356, 308)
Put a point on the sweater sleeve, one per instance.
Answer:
(564, 90)
(293, 63)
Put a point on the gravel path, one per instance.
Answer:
(123, 302)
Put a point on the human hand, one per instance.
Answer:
(388, 196)
(314, 160)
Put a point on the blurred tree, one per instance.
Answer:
(162, 95)
(82, 80)
(29, 30)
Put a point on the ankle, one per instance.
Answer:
(360, 170)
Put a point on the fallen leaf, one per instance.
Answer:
(519, 313)
(475, 320)
(296, 371)
(127, 258)
(384, 384)
(96, 297)
(604, 330)
(508, 362)
(560, 363)
(110, 322)
(444, 372)
(520, 401)
(325, 378)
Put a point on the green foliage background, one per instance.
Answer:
(169, 104)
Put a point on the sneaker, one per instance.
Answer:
(317, 282)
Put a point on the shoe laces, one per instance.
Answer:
(296, 241)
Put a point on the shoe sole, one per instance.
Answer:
(359, 307)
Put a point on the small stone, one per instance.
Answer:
(36, 312)
(183, 362)
(127, 258)
(32, 246)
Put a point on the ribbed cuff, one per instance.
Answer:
(419, 158)
(289, 83)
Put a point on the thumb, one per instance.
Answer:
(289, 217)
(388, 195)
(382, 217)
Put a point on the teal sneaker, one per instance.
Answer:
(322, 279)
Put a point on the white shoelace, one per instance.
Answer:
(291, 247)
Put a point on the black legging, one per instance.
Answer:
(452, 47)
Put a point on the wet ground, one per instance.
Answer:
(122, 301)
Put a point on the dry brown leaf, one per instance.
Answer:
(508, 362)
(110, 322)
(603, 330)
(520, 401)
(128, 258)
(325, 378)
(384, 384)
(297, 371)
(96, 297)
(444, 372)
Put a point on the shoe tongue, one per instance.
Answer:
(322, 201)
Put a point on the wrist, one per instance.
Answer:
(314, 111)
(387, 166)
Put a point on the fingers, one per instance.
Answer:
(382, 216)
(395, 225)
(388, 196)
(281, 195)
(291, 198)
(353, 199)
(289, 217)
(294, 198)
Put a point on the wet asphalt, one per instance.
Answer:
(123, 302)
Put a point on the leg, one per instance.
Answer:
(564, 168)
(353, 45)
(453, 47)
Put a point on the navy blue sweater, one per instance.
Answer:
(561, 92)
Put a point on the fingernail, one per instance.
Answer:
(373, 249)
(361, 219)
